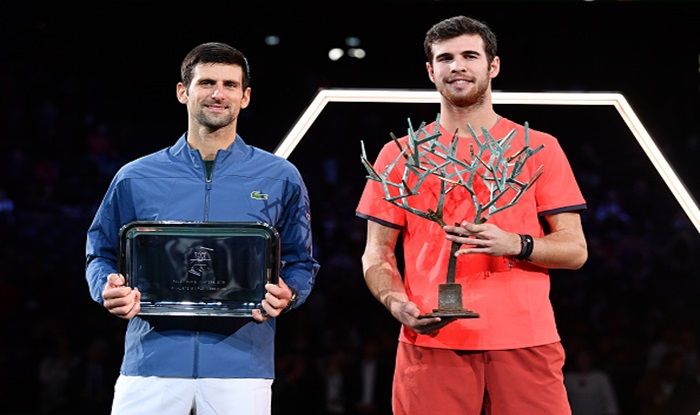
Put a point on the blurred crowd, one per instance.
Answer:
(629, 319)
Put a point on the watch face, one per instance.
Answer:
(202, 268)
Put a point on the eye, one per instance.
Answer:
(444, 58)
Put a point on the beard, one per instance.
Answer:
(214, 122)
(474, 96)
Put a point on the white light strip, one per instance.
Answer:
(407, 96)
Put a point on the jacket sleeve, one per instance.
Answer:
(299, 268)
(102, 247)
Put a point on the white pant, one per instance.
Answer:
(152, 395)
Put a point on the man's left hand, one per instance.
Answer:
(277, 298)
(485, 238)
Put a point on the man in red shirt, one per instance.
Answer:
(509, 360)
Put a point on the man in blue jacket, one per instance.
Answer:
(175, 365)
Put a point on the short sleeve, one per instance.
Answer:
(373, 205)
(557, 190)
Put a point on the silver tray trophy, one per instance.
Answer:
(491, 164)
(199, 268)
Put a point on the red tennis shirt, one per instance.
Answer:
(511, 297)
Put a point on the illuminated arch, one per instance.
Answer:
(398, 96)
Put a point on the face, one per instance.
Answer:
(215, 96)
(460, 70)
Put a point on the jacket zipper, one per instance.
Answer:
(207, 191)
(207, 188)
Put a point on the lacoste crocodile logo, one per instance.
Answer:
(257, 195)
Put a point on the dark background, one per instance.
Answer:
(85, 89)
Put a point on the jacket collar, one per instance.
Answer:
(238, 149)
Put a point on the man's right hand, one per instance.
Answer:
(408, 314)
(120, 300)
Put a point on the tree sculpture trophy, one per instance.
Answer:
(423, 156)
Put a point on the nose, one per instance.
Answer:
(218, 91)
(458, 65)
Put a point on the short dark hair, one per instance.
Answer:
(214, 52)
(457, 26)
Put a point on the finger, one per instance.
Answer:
(464, 239)
(411, 309)
(115, 293)
(426, 321)
(472, 251)
(275, 301)
(269, 309)
(451, 237)
(281, 291)
(276, 290)
(258, 316)
(114, 300)
(121, 305)
(452, 229)
(136, 306)
(472, 227)
(122, 311)
(115, 280)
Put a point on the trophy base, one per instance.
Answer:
(463, 313)
(450, 303)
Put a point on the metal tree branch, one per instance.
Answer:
(424, 156)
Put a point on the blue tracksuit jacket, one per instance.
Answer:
(171, 184)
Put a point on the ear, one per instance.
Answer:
(431, 74)
(495, 67)
(245, 100)
(181, 92)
